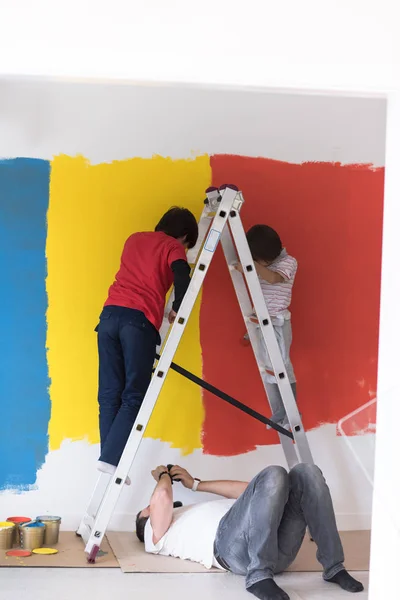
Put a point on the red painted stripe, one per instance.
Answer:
(330, 219)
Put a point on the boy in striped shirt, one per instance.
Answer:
(276, 270)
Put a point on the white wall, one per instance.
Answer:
(113, 121)
(107, 122)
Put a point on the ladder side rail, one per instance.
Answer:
(192, 258)
(246, 308)
(116, 483)
(268, 333)
(93, 506)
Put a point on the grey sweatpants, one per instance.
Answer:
(283, 333)
(262, 533)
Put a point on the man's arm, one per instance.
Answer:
(225, 488)
(161, 504)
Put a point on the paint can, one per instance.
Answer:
(32, 535)
(52, 531)
(6, 535)
(18, 521)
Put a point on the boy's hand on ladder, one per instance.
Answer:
(239, 268)
(171, 317)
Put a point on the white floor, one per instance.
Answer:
(112, 584)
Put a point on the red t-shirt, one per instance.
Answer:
(145, 274)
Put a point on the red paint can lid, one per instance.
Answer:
(19, 519)
(20, 553)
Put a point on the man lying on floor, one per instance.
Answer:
(255, 531)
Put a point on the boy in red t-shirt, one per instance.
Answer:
(132, 315)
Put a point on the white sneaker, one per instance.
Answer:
(110, 470)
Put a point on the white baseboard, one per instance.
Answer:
(353, 522)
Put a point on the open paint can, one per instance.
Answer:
(32, 535)
(6, 535)
(52, 531)
(18, 521)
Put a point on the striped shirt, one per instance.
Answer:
(278, 296)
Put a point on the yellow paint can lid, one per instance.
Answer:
(6, 524)
(44, 551)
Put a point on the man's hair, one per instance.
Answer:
(264, 243)
(140, 525)
(179, 223)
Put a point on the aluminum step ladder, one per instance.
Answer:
(219, 223)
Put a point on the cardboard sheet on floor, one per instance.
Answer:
(133, 559)
(356, 546)
(70, 554)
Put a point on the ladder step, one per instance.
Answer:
(88, 520)
(84, 532)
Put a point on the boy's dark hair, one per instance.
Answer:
(140, 525)
(265, 244)
(179, 223)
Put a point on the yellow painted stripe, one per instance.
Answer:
(178, 415)
(92, 210)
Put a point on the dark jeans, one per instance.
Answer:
(263, 531)
(127, 345)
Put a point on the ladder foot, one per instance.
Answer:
(92, 556)
(78, 534)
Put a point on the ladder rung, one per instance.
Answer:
(84, 532)
(89, 520)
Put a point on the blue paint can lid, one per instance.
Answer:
(33, 524)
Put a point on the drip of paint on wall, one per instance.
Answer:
(92, 210)
(25, 405)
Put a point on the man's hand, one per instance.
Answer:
(185, 477)
(157, 472)
(171, 317)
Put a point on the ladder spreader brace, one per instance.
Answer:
(220, 223)
(229, 399)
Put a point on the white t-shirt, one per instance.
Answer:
(192, 532)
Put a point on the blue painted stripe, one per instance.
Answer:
(24, 398)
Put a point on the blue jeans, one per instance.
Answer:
(263, 531)
(127, 346)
